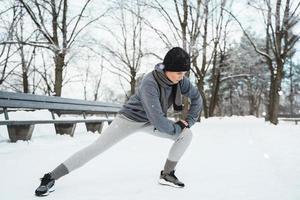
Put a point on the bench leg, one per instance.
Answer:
(94, 126)
(20, 132)
(65, 129)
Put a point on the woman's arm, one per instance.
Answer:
(187, 89)
(150, 98)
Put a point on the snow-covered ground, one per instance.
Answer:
(236, 158)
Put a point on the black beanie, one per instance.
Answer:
(177, 60)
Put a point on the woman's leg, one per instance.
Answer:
(120, 128)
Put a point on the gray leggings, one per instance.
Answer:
(120, 128)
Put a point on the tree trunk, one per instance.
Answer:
(200, 86)
(274, 92)
(258, 105)
(25, 83)
(271, 97)
(215, 91)
(215, 84)
(251, 98)
(60, 54)
(216, 67)
(269, 62)
(23, 60)
(59, 60)
(132, 82)
(273, 106)
(231, 102)
(291, 96)
(276, 74)
(200, 82)
(184, 24)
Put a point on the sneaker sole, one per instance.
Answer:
(52, 189)
(164, 182)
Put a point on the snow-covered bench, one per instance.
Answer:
(22, 129)
(289, 117)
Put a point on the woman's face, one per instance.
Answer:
(175, 77)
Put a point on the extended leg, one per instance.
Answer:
(120, 128)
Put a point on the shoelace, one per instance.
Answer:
(45, 180)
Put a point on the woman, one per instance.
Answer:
(146, 111)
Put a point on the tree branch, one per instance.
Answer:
(248, 37)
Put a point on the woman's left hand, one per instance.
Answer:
(185, 123)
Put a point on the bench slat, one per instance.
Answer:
(289, 119)
(288, 115)
(30, 122)
(52, 99)
(56, 106)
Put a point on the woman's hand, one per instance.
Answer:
(183, 124)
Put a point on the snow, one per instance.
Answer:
(230, 158)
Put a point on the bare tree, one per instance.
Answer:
(218, 53)
(45, 82)
(6, 49)
(200, 72)
(61, 35)
(280, 41)
(25, 62)
(125, 56)
(92, 76)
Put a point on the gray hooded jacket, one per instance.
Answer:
(145, 106)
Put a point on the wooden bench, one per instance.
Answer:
(289, 117)
(22, 129)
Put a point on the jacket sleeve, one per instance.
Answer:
(150, 99)
(190, 91)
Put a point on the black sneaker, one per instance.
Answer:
(46, 186)
(170, 179)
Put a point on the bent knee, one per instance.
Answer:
(187, 131)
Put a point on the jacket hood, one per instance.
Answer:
(159, 67)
